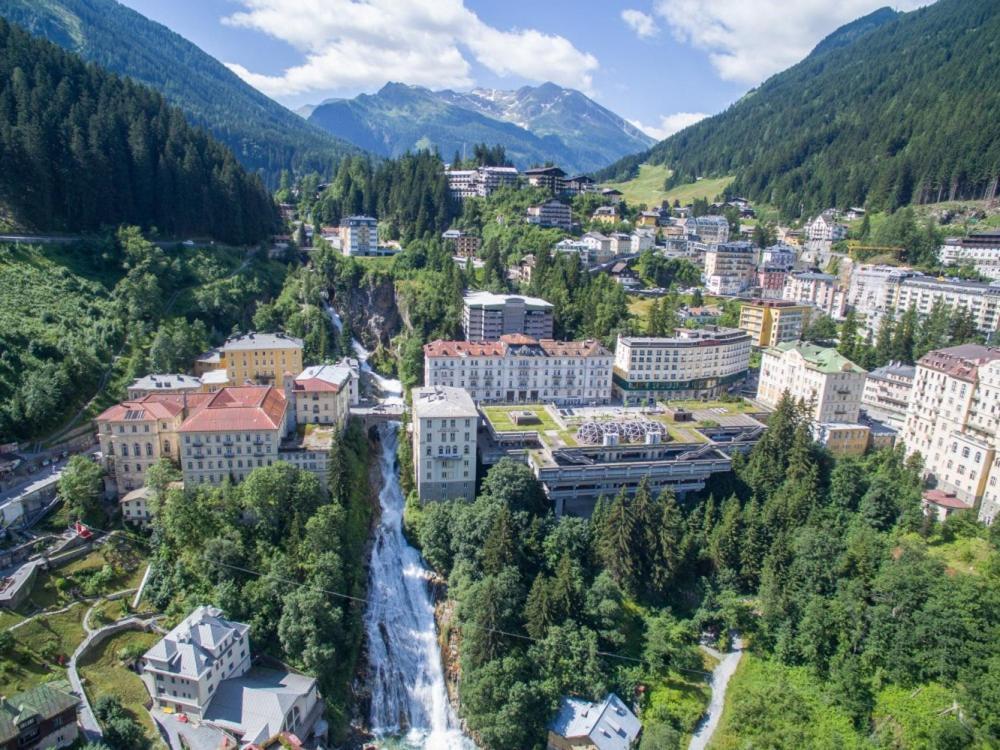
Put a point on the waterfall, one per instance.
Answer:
(410, 709)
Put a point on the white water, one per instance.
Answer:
(410, 707)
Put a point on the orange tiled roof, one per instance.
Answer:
(239, 409)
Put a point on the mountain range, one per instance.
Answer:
(265, 136)
(535, 124)
(893, 108)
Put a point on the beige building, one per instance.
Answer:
(487, 316)
(521, 369)
(445, 422)
(359, 236)
(773, 322)
(729, 267)
(819, 290)
(952, 422)
(135, 434)
(692, 364)
(322, 394)
(842, 438)
(824, 379)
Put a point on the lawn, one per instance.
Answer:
(40, 647)
(647, 187)
(500, 418)
(639, 306)
(103, 673)
(969, 555)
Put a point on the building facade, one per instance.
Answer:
(887, 392)
(261, 358)
(552, 213)
(42, 718)
(321, 394)
(820, 290)
(487, 316)
(712, 230)
(480, 182)
(550, 178)
(167, 383)
(980, 250)
(462, 244)
(773, 322)
(825, 229)
(729, 267)
(359, 236)
(692, 364)
(829, 383)
(445, 423)
(520, 369)
(183, 670)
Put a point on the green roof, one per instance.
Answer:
(824, 359)
(44, 701)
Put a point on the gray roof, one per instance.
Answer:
(257, 703)
(442, 401)
(165, 382)
(489, 299)
(196, 643)
(253, 340)
(815, 276)
(43, 702)
(609, 725)
(894, 368)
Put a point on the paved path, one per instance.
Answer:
(88, 721)
(720, 681)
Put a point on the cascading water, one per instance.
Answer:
(409, 700)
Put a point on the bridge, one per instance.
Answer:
(373, 414)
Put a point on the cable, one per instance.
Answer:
(368, 601)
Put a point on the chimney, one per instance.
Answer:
(184, 405)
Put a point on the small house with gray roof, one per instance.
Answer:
(582, 725)
(44, 717)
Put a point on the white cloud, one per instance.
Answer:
(643, 24)
(749, 41)
(670, 124)
(355, 44)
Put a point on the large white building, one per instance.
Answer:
(729, 267)
(480, 182)
(712, 230)
(487, 316)
(445, 423)
(952, 422)
(829, 383)
(359, 236)
(825, 229)
(183, 670)
(819, 290)
(877, 290)
(981, 251)
(888, 391)
(520, 369)
(692, 364)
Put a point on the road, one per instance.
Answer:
(723, 671)
(55, 239)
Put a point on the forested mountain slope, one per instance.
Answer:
(264, 135)
(83, 149)
(889, 110)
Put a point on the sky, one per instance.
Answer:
(661, 64)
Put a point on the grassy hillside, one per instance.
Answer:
(647, 187)
(893, 109)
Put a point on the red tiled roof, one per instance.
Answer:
(441, 348)
(945, 500)
(551, 347)
(310, 385)
(962, 361)
(153, 406)
(239, 408)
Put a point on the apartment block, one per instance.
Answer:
(520, 369)
(771, 278)
(772, 322)
(952, 421)
(712, 230)
(829, 383)
(185, 668)
(359, 236)
(487, 316)
(980, 250)
(729, 267)
(462, 244)
(887, 392)
(552, 213)
(694, 363)
(779, 255)
(480, 182)
(445, 422)
(550, 178)
(819, 290)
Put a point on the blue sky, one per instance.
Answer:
(661, 64)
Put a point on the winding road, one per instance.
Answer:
(721, 675)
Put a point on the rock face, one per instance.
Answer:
(371, 310)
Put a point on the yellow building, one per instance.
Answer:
(772, 322)
(606, 215)
(261, 358)
(843, 439)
